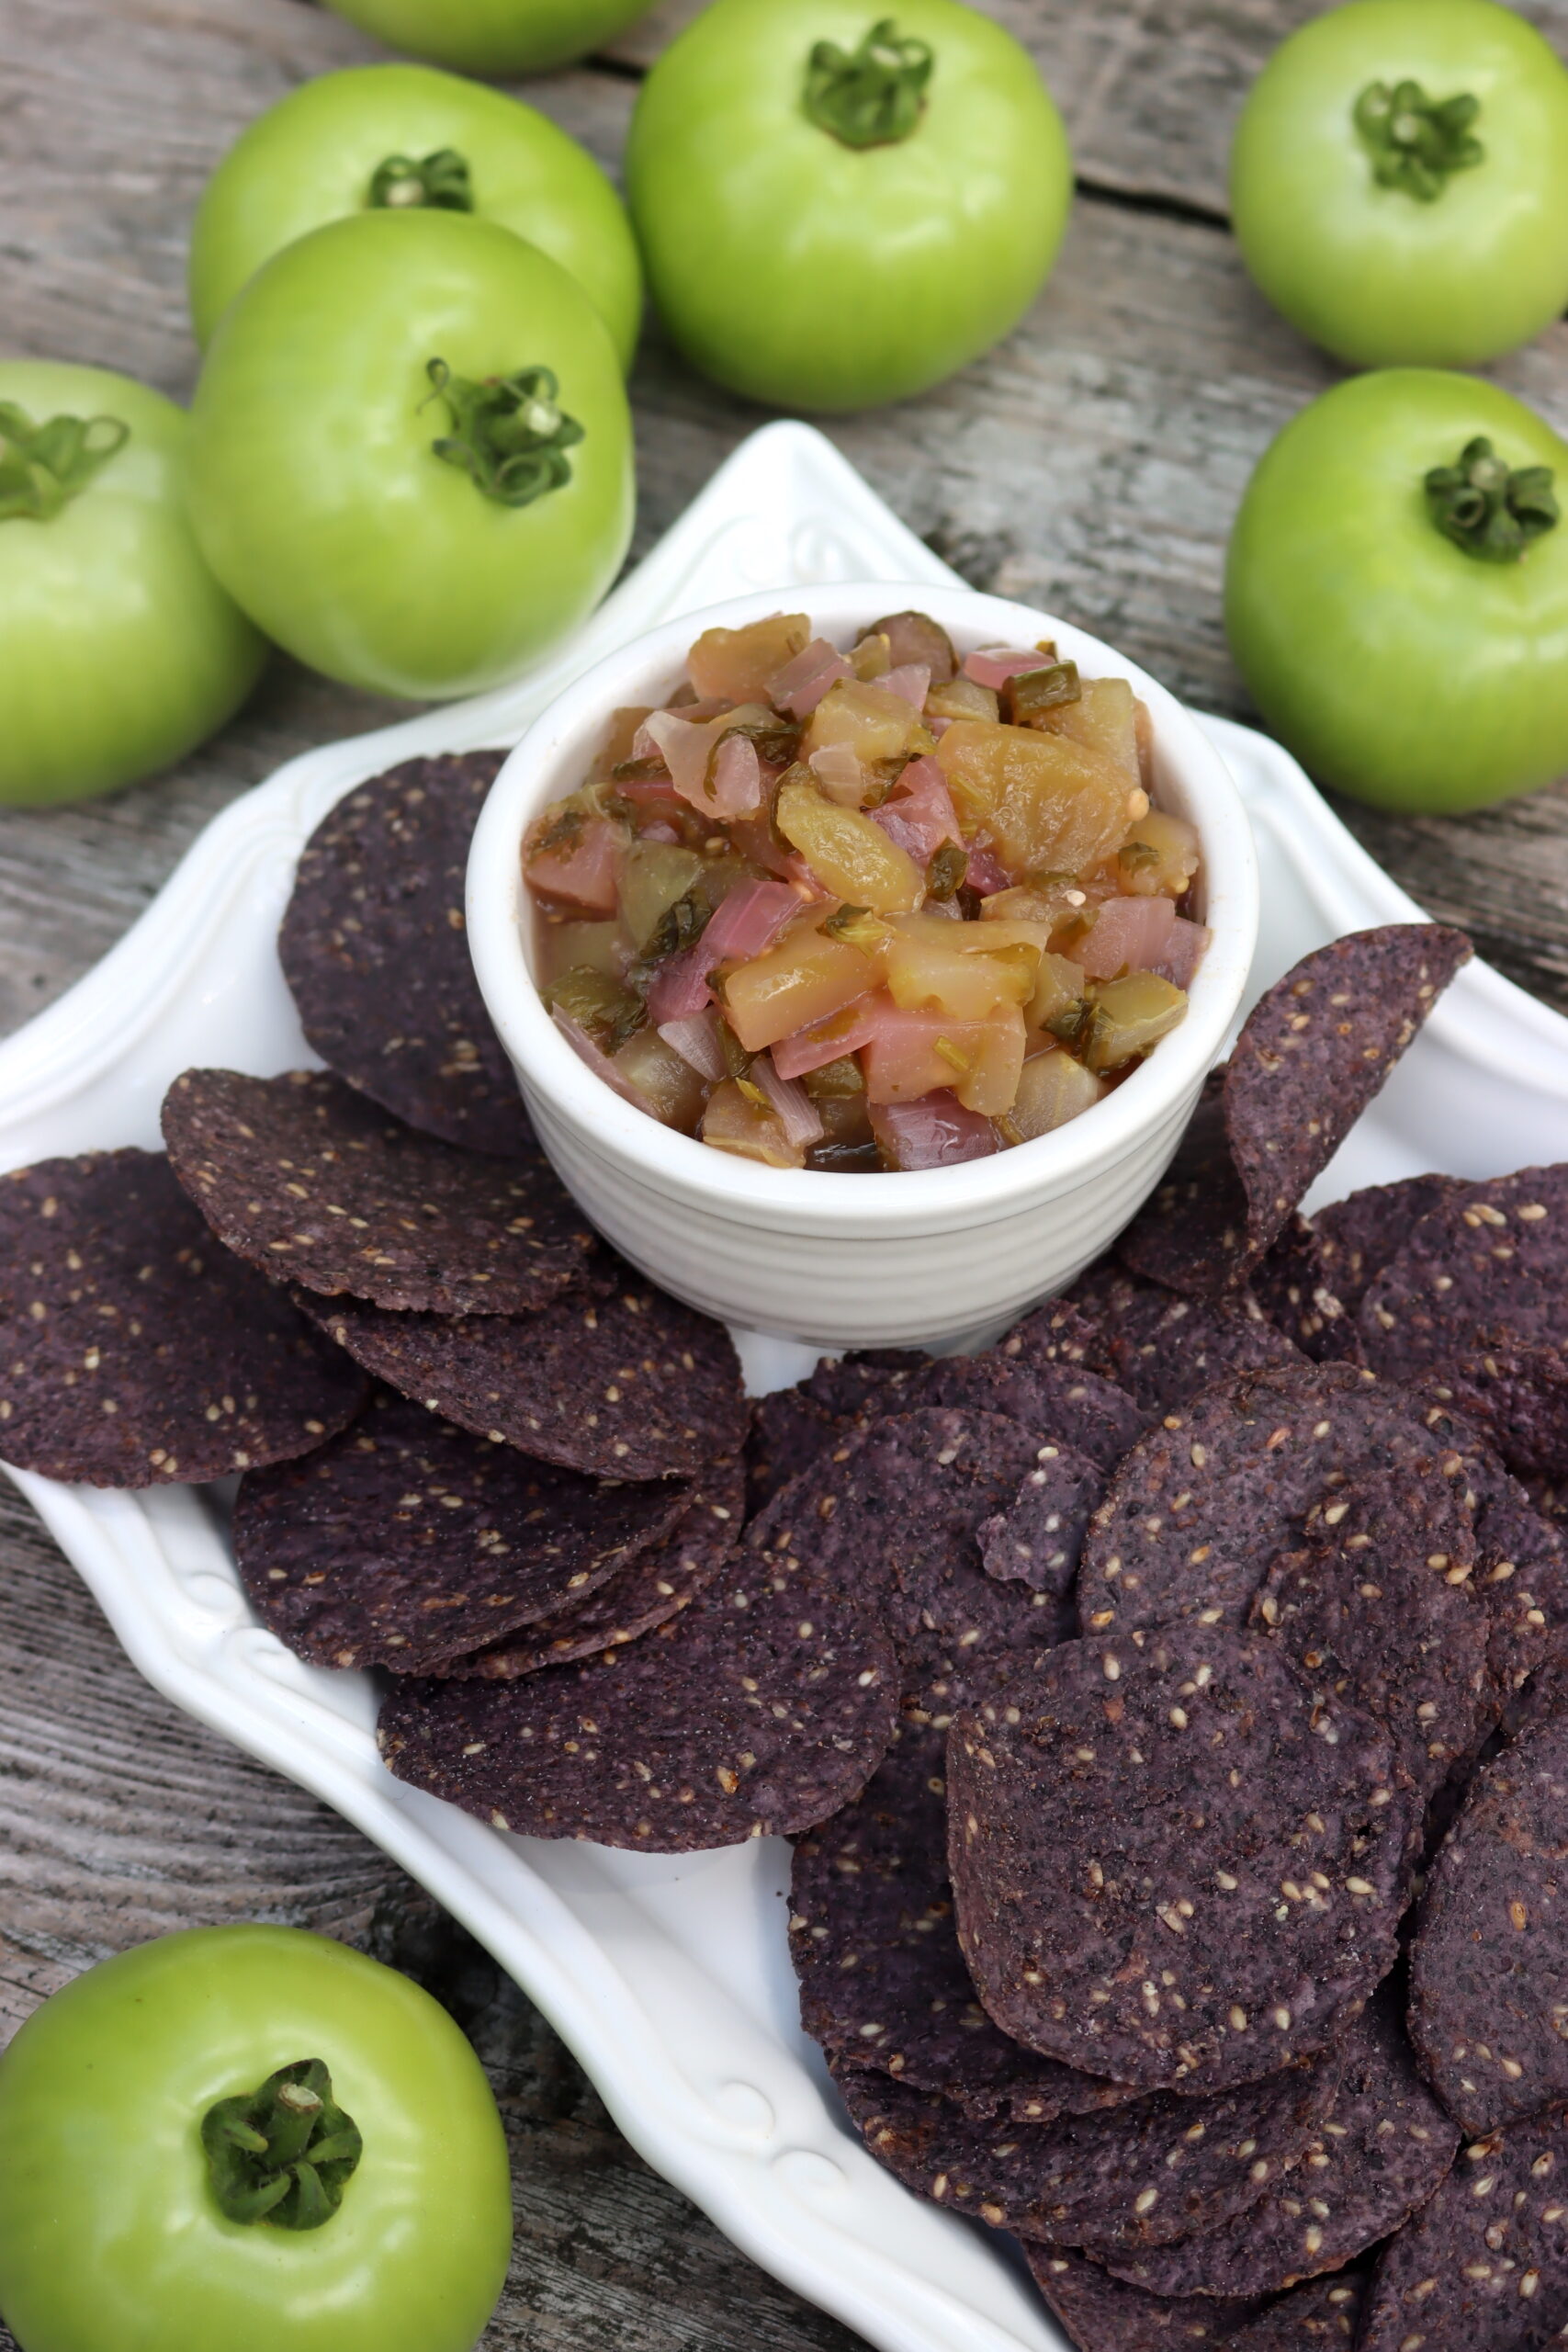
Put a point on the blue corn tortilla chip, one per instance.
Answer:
(646, 1592)
(1489, 1965)
(1021, 1377)
(1127, 1828)
(1322, 2317)
(1293, 1287)
(1378, 1607)
(1203, 1504)
(898, 1509)
(787, 1433)
(309, 1182)
(1483, 2267)
(404, 1541)
(1128, 2176)
(883, 1983)
(1521, 1570)
(376, 954)
(1358, 1237)
(1473, 1303)
(1038, 1539)
(631, 1386)
(1164, 1348)
(134, 1350)
(762, 1709)
(1384, 2148)
(1101, 2314)
(1313, 1052)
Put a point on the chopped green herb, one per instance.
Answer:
(835, 1081)
(608, 1010)
(1027, 699)
(946, 871)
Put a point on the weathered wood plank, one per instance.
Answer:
(119, 1819)
(1150, 89)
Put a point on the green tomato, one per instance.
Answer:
(834, 213)
(119, 2228)
(493, 35)
(401, 138)
(410, 455)
(1407, 637)
(119, 650)
(1399, 182)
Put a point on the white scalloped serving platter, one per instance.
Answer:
(668, 1976)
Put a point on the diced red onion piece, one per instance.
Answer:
(790, 1103)
(922, 816)
(938, 726)
(801, 684)
(829, 1041)
(660, 831)
(695, 1039)
(584, 1046)
(736, 780)
(985, 872)
(838, 769)
(1129, 936)
(582, 873)
(684, 748)
(649, 792)
(993, 665)
(934, 1131)
(911, 681)
(1183, 953)
(680, 987)
(747, 919)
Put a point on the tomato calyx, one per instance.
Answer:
(872, 96)
(509, 434)
(440, 182)
(282, 2153)
(1416, 144)
(1493, 513)
(43, 467)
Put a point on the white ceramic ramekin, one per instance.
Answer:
(842, 1260)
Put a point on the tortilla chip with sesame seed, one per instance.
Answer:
(1173, 1865)
(630, 1385)
(376, 954)
(762, 1709)
(645, 1591)
(1101, 2314)
(309, 1182)
(1313, 1054)
(1383, 2149)
(404, 1541)
(1483, 2267)
(134, 1350)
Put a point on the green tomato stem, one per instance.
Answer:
(440, 182)
(1416, 144)
(509, 433)
(872, 96)
(43, 467)
(283, 2152)
(1494, 513)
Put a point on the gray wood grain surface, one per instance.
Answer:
(1092, 464)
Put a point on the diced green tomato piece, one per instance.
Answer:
(806, 977)
(1053, 1088)
(838, 1081)
(872, 658)
(1045, 802)
(617, 744)
(1032, 697)
(609, 1013)
(925, 973)
(846, 1118)
(993, 936)
(575, 858)
(920, 1053)
(653, 876)
(1057, 984)
(670, 1086)
(1160, 853)
(1104, 720)
(1144, 728)
(963, 698)
(736, 1123)
(581, 946)
(740, 664)
(848, 853)
(1131, 1016)
(875, 724)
